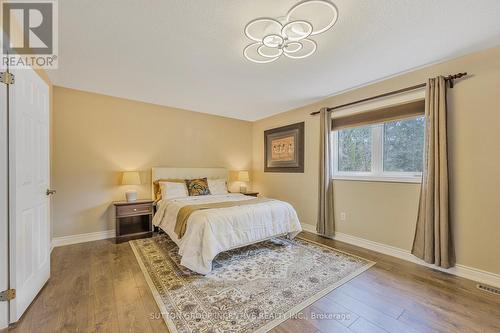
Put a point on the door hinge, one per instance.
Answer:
(7, 295)
(7, 78)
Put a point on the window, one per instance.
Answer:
(404, 145)
(355, 150)
(390, 151)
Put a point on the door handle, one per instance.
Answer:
(50, 192)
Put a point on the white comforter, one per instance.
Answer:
(212, 231)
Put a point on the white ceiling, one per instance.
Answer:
(188, 53)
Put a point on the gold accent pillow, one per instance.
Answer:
(197, 186)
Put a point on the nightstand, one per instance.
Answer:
(133, 219)
(252, 194)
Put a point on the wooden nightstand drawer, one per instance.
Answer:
(137, 209)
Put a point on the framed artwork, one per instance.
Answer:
(284, 149)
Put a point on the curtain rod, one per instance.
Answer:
(448, 78)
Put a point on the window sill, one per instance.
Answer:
(412, 180)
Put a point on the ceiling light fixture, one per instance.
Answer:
(289, 35)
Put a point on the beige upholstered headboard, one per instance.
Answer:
(186, 173)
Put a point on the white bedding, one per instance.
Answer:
(212, 231)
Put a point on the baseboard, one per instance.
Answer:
(308, 228)
(466, 272)
(82, 238)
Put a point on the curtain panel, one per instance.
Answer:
(326, 224)
(433, 240)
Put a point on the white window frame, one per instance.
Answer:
(377, 164)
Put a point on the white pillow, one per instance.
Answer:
(217, 186)
(170, 190)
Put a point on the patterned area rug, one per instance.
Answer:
(251, 289)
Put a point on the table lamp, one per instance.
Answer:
(131, 178)
(243, 177)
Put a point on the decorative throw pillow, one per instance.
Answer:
(157, 189)
(197, 186)
(173, 190)
(217, 186)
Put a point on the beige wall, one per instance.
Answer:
(96, 137)
(386, 212)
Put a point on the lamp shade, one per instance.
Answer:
(243, 176)
(131, 178)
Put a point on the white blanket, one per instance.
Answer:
(212, 231)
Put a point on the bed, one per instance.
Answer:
(209, 232)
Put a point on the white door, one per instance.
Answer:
(29, 181)
(4, 276)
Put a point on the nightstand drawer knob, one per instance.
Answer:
(135, 209)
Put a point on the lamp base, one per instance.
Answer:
(131, 196)
(243, 189)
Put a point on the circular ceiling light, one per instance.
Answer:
(297, 30)
(251, 52)
(257, 29)
(293, 47)
(289, 35)
(308, 9)
(269, 52)
(272, 40)
(308, 48)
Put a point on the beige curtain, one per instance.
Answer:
(326, 225)
(433, 239)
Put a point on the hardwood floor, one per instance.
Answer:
(99, 287)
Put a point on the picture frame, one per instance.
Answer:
(284, 149)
